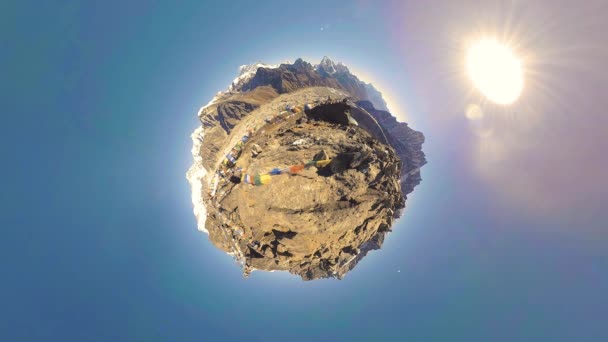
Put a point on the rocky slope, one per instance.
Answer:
(329, 174)
(288, 77)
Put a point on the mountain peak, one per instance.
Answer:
(341, 68)
(326, 66)
(300, 63)
(246, 72)
(326, 60)
(329, 67)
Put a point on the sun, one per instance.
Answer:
(495, 71)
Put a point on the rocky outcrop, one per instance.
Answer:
(406, 141)
(331, 172)
(312, 223)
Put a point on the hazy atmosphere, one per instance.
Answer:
(504, 240)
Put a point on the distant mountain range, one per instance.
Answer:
(287, 77)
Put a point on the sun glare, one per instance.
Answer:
(495, 71)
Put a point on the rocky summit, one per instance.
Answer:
(301, 168)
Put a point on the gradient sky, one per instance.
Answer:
(505, 239)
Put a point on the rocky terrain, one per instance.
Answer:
(296, 169)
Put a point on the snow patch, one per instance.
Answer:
(246, 72)
(300, 142)
(196, 175)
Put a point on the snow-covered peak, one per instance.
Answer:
(326, 65)
(326, 61)
(252, 68)
(341, 68)
(246, 72)
(330, 67)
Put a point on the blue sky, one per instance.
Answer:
(505, 239)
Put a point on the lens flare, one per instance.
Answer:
(495, 71)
